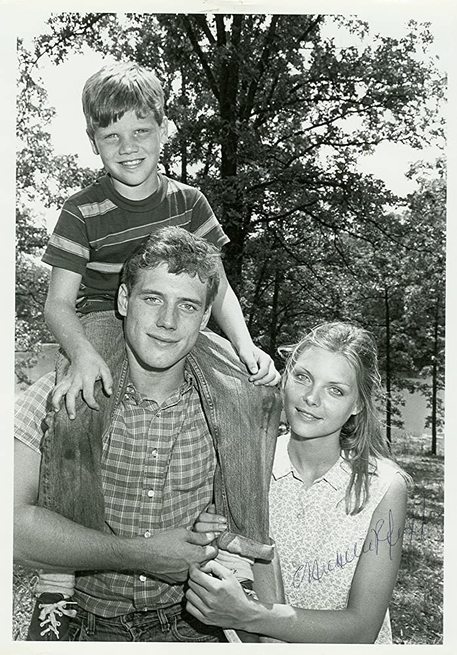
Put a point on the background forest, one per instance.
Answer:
(270, 119)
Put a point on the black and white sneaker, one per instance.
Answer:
(51, 618)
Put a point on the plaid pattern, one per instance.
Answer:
(30, 409)
(158, 467)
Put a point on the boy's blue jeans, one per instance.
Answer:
(243, 420)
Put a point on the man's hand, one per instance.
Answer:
(84, 370)
(169, 554)
(259, 364)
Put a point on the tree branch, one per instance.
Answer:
(246, 110)
(199, 52)
(66, 36)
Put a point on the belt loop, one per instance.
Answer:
(90, 623)
(163, 620)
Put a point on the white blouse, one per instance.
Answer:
(317, 542)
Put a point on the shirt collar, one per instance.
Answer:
(133, 396)
(282, 465)
(336, 476)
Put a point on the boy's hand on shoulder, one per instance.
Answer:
(260, 365)
(80, 377)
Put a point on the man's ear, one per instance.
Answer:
(122, 300)
(205, 318)
(92, 143)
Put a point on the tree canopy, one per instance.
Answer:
(270, 117)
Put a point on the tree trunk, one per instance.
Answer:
(183, 140)
(256, 295)
(274, 312)
(232, 201)
(388, 370)
(435, 379)
(223, 82)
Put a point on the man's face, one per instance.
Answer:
(163, 314)
(130, 149)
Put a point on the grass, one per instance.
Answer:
(417, 603)
(22, 602)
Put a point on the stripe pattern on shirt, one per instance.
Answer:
(98, 229)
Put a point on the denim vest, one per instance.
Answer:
(243, 421)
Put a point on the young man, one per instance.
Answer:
(166, 451)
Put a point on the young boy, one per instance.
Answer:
(100, 226)
(98, 229)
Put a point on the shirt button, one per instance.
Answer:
(142, 578)
(147, 534)
(150, 493)
(154, 453)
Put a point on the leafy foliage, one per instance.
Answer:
(270, 116)
(43, 180)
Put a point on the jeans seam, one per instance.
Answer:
(181, 638)
(125, 624)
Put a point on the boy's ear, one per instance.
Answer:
(164, 131)
(92, 143)
(122, 300)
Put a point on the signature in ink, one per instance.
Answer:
(384, 533)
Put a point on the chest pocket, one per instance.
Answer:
(193, 460)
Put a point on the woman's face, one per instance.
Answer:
(320, 394)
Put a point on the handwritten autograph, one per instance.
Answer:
(384, 532)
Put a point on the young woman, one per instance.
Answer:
(337, 508)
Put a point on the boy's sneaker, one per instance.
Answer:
(51, 618)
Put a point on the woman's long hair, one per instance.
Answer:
(361, 438)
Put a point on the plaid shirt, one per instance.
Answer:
(158, 465)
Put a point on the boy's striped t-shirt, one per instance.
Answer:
(98, 229)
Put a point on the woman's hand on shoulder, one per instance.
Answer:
(209, 521)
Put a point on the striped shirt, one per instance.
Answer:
(158, 466)
(98, 229)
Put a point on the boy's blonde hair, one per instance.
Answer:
(118, 88)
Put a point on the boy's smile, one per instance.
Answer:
(130, 149)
